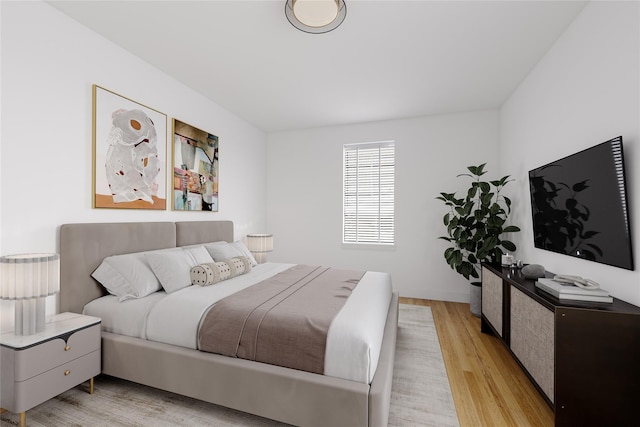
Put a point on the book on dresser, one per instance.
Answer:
(570, 292)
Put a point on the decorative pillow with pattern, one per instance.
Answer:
(213, 272)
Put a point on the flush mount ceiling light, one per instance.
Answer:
(315, 16)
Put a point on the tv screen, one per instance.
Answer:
(579, 206)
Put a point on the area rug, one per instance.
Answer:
(421, 395)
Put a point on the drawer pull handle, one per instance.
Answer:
(67, 348)
(67, 372)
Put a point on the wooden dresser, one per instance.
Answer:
(583, 357)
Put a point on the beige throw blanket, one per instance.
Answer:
(283, 320)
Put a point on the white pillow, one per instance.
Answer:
(128, 276)
(220, 251)
(173, 268)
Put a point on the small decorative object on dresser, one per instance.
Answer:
(533, 271)
(507, 260)
(567, 292)
(37, 367)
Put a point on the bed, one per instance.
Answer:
(287, 395)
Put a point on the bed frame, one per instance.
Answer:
(282, 394)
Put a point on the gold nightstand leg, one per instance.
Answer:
(23, 419)
(91, 386)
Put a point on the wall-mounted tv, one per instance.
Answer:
(579, 206)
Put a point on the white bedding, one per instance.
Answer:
(353, 340)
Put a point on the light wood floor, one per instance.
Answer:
(488, 386)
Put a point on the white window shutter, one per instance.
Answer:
(368, 193)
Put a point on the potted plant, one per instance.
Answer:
(475, 226)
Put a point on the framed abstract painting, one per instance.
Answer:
(129, 153)
(195, 169)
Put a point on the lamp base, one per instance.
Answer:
(29, 316)
(260, 257)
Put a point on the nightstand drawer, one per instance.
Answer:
(42, 387)
(48, 355)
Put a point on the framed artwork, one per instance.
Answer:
(129, 153)
(195, 169)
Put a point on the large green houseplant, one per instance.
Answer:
(476, 224)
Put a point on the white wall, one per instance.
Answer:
(583, 92)
(304, 206)
(49, 63)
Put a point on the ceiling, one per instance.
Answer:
(388, 60)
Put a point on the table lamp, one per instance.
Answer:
(259, 245)
(28, 279)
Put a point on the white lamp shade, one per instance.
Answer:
(27, 276)
(259, 243)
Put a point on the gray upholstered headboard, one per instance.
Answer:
(194, 232)
(84, 246)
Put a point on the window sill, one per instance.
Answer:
(370, 246)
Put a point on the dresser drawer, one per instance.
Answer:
(42, 387)
(41, 358)
(492, 304)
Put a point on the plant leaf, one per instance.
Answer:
(507, 201)
(472, 192)
(447, 253)
(456, 258)
(509, 246)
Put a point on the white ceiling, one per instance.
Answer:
(388, 60)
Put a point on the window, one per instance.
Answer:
(368, 193)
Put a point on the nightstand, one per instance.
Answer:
(37, 367)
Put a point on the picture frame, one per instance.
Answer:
(129, 153)
(195, 155)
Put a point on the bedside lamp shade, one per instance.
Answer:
(259, 245)
(29, 279)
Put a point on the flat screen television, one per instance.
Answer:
(579, 206)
